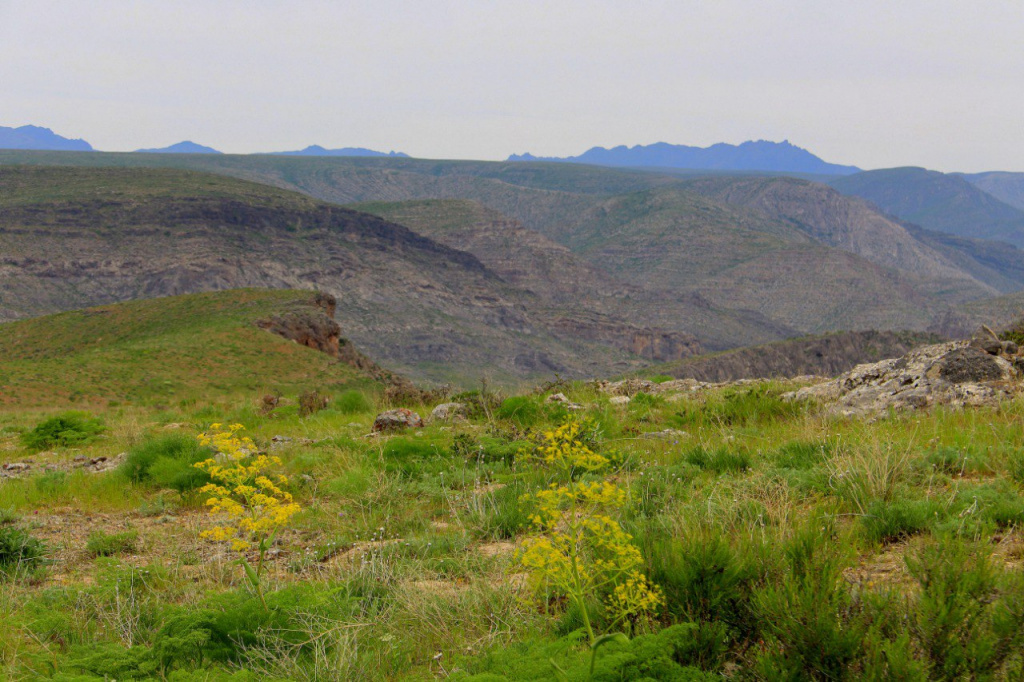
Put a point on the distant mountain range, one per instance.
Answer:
(762, 155)
(185, 147)
(34, 137)
(317, 150)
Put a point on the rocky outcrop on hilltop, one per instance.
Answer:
(956, 374)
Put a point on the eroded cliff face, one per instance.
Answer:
(826, 355)
(656, 345)
(312, 324)
(313, 327)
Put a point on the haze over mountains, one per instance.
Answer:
(761, 155)
(518, 269)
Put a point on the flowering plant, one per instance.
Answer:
(244, 492)
(580, 550)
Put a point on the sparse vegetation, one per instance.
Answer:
(726, 531)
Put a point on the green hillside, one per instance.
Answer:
(163, 350)
(946, 203)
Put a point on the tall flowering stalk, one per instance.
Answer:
(245, 492)
(580, 551)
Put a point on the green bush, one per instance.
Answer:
(412, 458)
(523, 411)
(19, 551)
(167, 462)
(720, 460)
(500, 514)
(109, 544)
(63, 430)
(968, 619)
(802, 455)
(352, 402)
(890, 521)
(803, 615)
(703, 579)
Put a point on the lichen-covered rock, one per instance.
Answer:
(957, 374)
(396, 420)
(448, 411)
(620, 400)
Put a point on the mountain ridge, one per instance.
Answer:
(760, 155)
(36, 137)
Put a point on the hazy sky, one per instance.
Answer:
(876, 83)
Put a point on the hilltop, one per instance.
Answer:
(166, 350)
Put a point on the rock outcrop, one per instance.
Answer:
(956, 374)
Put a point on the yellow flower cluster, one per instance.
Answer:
(563, 450)
(634, 597)
(243, 491)
(581, 551)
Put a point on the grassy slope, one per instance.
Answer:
(160, 350)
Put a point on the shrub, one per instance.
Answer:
(703, 579)
(311, 402)
(720, 460)
(966, 625)
(889, 521)
(352, 402)
(19, 551)
(104, 544)
(804, 616)
(63, 430)
(168, 462)
(739, 406)
(523, 411)
(410, 458)
(671, 654)
(802, 455)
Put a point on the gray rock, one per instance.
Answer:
(396, 420)
(957, 374)
(620, 400)
(448, 411)
(557, 398)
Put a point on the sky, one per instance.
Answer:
(873, 83)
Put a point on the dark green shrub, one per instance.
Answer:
(720, 460)
(19, 551)
(968, 619)
(352, 402)
(805, 615)
(167, 462)
(703, 579)
(953, 461)
(890, 521)
(63, 430)
(109, 544)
